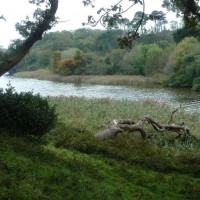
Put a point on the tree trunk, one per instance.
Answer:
(19, 53)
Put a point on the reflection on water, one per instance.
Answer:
(188, 99)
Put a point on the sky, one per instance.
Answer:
(73, 12)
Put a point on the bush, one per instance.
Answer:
(25, 114)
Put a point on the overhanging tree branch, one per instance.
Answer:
(112, 17)
(15, 55)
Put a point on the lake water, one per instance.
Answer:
(189, 100)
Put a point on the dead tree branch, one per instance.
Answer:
(118, 126)
(172, 114)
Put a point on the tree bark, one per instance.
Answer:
(16, 56)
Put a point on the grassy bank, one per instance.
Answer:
(103, 80)
(70, 163)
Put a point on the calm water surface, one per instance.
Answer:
(189, 100)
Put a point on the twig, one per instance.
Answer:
(171, 117)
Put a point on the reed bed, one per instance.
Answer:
(87, 79)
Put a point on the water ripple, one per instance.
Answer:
(188, 100)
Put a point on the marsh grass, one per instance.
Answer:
(82, 118)
(90, 115)
(72, 164)
(45, 74)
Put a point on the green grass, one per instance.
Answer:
(69, 163)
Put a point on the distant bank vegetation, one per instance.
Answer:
(95, 52)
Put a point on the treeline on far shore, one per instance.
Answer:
(173, 56)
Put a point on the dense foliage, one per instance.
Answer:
(185, 61)
(186, 32)
(98, 53)
(152, 54)
(25, 114)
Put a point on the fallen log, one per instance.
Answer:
(118, 126)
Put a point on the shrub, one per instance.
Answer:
(25, 114)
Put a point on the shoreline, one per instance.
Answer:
(127, 80)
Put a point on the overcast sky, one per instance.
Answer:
(71, 10)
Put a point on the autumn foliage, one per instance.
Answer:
(68, 66)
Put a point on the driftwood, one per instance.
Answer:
(118, 126)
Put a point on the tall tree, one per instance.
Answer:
(32, 31)
(159, 19)
(173, 25)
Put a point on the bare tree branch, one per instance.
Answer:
(171, 117)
